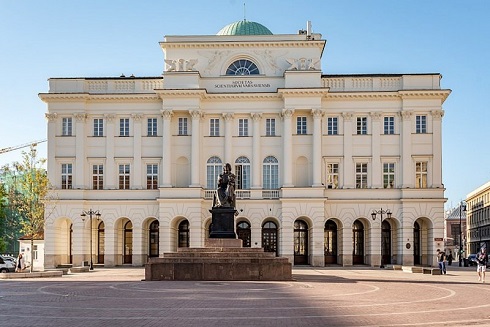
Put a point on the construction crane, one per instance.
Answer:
(16, 147)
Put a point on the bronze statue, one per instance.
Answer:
(225, 193)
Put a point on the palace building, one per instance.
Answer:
(330, 169)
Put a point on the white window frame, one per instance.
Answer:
(214, 167)
(242, 173)
(152, 176)
(332, 174)
(421, 124)
(421, 173)
(67, 126)
(389, 125)
(361, 125)
(66, 176)
(152, 126)
(124, 176)
(214, 127)
(97, 176)
(389, 173)
(332, 125)
(301, 125)
(242, 127)
(270, 127)
(183, 126)
(270, 173)
(361, 174)
(98, 127)
(124, 127)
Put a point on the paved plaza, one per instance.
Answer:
(317, 297)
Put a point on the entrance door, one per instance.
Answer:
(358, 243)
(128, 243)
(269, 237)
(330, 242)
(300, 243)
(417, 260)
(243, 233)
(100, 243)
(386, 243)
(154, 239)
(184, 234)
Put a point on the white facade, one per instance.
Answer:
(310, 148)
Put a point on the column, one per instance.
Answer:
(348, 171)
(406, 150)
(437, 147)
(257, 157)
(195, 147)
(317, 147)
(79, 180)
(51, 162)
(167, 148)
(287, 115)
(138, 258)
(376, 169)
(110, 169)
(110, 250)
(228, 117)
(136, 173)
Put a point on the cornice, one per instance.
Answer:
(241, 44)
(361, 95)
(181, 93)
(241, 96)
(58, 97)
(304, 92)
(52, 97)
(417, 94)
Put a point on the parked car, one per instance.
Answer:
(472, 260)
(6, 265)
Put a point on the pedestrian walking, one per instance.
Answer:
(441, 258)
(20, 265)
(450, 258)
(481, 260)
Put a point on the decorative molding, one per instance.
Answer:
(51, 117)
(167, 114)
(287, 113)
(80, 117)
(256, 116)
(137, 117)
(317, 113)
(109, 117)
(303, 64)
(347, 116)
(437, 114)
(196, 114)
(180, 65)
(227, 116)
(280, 44)
(406, 115)
(375, 115)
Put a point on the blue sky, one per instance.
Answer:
(93, 38)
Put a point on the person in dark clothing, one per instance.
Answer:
(441, 257)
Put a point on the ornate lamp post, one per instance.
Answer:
(90, 213)
(462, 207)
(381, 212)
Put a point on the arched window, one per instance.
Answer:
(244, 233)
(214, 166)
(330, 242)
(269, 237)
(154, 238)
(242, 172)
(100, 242)
(128, 242)
(270, 173)
(184, 234)
(242, 67)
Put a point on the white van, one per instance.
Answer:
(6, 265)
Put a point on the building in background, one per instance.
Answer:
(314, 154)
(478, 218)
(455, 234)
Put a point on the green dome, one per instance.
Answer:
(244, 27)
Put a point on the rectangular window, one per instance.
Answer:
(388, 175)
(361, 125)
(124, 127)
(420, 124)
(421, 174)
(361, 175)
(183, 126)
(66, 176)
(152, 177)
(124, 174)
(332, 175)
(98, 127)
(300, 125)
(270, 127)
(214, 127)
(242, 127)
(67, 127)
(34, 252)
(332, 126)
(389, 125)
(97, 177)
(152, 127)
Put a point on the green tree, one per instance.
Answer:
(28, 194)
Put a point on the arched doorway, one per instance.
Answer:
(154, 231)
(70, 255)
(244, 233)
(184, 234)
(417, 258)
(358, 243)
(100, 242)
(128, 243)
(300, 242)
(269, 237)
(386, 243)
(330, 242)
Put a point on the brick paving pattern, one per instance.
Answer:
(359, 296)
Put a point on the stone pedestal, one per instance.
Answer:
(222, 223)
(224, 259)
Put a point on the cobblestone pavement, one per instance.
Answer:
(327, 296)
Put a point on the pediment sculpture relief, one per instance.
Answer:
(303, 64)
(180, 65)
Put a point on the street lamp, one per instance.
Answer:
(90, 213)
(381, 212)
(462, 207)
